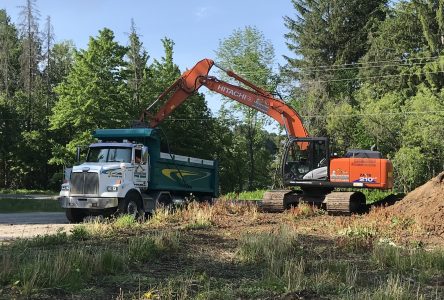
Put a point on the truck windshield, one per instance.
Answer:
(108, 154)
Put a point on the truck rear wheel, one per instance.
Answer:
(206, 199)
(75, 215)
(130, 205)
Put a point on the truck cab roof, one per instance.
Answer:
(125, 133)
(112, 145)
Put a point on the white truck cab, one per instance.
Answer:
(110, 172)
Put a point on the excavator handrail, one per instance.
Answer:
(257, 98)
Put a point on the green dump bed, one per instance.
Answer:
(168, 172)
(173, 172)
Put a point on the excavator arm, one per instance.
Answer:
(256, 98)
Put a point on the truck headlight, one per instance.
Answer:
(112, 188)
(65, 187)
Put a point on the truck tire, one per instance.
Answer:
(165, 200)
(130, 205)
(75, 215)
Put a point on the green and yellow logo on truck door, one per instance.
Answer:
(189, 176)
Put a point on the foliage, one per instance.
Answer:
(28, 205)
(323, 37)
(252, 195)
(125, 222)
(364, 73)
(409, 164)
(94, 93)
(385, 92)
(190, 130)
(250, 55)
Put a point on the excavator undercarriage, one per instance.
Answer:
(335, 203)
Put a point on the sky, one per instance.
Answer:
(195, 26)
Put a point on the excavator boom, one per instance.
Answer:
(256, 98)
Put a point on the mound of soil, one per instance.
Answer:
(425, 205)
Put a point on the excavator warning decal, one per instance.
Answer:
(340, 176)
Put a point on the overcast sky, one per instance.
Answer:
(195, 26)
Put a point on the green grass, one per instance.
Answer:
(28, 192)
(373, 196)
(290, 266)
(246, 195)
(62, 262)
(409, 260)
(125, 222)
(29, 205)
(125, 259)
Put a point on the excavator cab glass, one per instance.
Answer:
(305, 159)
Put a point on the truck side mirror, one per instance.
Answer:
(78, 154)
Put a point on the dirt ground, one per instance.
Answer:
(27, 225)
(425, 206)
(10, 232)
(209, 261)
(418, 217)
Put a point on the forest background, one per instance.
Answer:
(363, 73)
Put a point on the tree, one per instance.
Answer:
(345, 129)
(324, 36)
(9, 54)
(394, 54)
(30, 59)
(401, 90)
(383, 119)
(189, 129)
(9, 140)
(423, 129)
(409, 165)
(47, 60)
(93, 95)
(138, 73)
(61, 61)
(9, 118)
(431, 17)
(249, 54)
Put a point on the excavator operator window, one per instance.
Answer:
(306, 159)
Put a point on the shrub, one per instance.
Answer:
(80, 233)
(357, 238)
(125, 222)
(200, 216)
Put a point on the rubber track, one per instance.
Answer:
(273, 201)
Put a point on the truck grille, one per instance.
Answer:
(85, 183)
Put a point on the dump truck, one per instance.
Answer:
(126, 172)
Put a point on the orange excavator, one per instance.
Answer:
(306, 163)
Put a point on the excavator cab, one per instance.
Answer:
(306, 159)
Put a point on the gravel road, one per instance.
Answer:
(26, 225)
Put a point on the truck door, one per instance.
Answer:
(141, 167)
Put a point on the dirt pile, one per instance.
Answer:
(425, 205)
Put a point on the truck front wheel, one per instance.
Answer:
(130, 205)
(74, 215)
